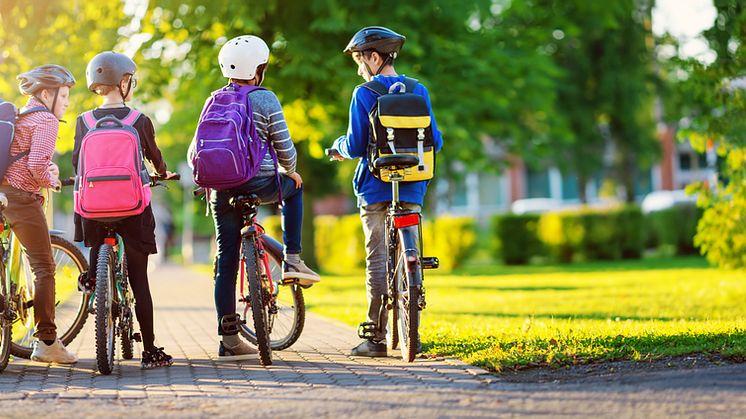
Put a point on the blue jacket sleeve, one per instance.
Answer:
(437, 136)
(354, 143)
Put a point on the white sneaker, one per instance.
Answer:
(235, 352)
(300, 272)
(56, 353)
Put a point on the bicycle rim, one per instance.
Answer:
(408, 311)
(6, 328)
(259, 315)
(105, 282)
(70, 304)
(287, 324)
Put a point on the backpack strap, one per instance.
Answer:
(89, 120)
(32, 110)
(410, 84)
(376, 87)
(131, 117)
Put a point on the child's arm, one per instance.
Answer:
(43, 141)
(354, 143)
(150, 148)
(279, 137)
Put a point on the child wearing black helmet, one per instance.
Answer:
(112, 76)
(374, 50)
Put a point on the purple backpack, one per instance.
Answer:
(228, 151)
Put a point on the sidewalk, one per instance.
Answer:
(316, 377)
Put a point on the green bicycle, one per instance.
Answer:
(17, 324)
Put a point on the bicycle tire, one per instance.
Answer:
(6, 325)
(81, 262)
(408, 300)
(127, 322)
(257, 300)
(105, 337)
(392, 331)
(277, 340)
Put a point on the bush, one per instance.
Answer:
(517, 238)
(340, 244)
(451, 239)
(674, 227)
(593, 234)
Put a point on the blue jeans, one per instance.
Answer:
(228, 223)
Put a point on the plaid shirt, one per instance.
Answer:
(36, 133)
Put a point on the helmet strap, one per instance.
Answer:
(54, 101)
(384, 64)
(127, 92)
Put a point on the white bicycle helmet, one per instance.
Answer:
(241, 56)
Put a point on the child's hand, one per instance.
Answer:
(297, 179)
(53, 170)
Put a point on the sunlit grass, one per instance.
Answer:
(553, 316)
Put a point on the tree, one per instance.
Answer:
(713, 118)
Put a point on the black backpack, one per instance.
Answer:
(8, 116)
(400, 124)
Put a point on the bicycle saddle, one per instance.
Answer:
(396, 162)
(251, 201)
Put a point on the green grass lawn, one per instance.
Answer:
(517, 317)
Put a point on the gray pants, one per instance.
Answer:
(374, 226)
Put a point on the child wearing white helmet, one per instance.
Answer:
(243, 60)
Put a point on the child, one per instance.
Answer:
(374, 49)
(243, 60)
(112, 75)
(48, 88)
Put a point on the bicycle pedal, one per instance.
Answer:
(367, 330)
(137, 337)
(431, 262)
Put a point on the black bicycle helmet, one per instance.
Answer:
(376, 38)
(49, 76)
(108, 68)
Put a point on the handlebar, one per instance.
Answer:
(199, 192)
(332, 152)
(67, 182)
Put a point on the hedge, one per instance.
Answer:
(674, 228)
(516, 236)
(593, 234)
(340, 245)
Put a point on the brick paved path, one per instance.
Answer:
(316, 377)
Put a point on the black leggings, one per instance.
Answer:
(137, 270)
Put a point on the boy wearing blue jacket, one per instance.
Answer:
(374, 49)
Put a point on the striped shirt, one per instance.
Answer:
(270, 126)
(37, 134)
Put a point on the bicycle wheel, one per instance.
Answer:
(258, 316)
(286, 324)
(71, 309)
(6, 321)
(407, 303)
(105, 320)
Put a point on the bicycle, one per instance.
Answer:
(113, 298)
(404, 264)
(273, 309)
(17, 324)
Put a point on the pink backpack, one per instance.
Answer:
(112, 182)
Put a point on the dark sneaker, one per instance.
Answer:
(155, 359)
(242, 351)
(298, 270)
(370, 348)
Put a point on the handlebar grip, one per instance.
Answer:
(68, 182)
(331, 152)
(199, 192)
